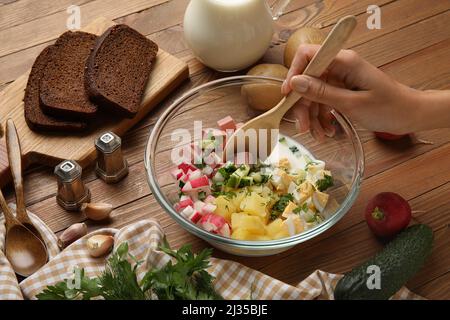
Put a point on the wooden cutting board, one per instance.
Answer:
(49, 149)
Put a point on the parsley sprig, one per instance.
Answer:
(187, 278)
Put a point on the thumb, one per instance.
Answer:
(319, 91)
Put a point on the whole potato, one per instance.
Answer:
(264, 96)
(304, 35)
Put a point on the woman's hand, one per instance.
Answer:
(356, 88)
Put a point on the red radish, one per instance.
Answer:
(198, 205)
(225, 230)
(218, 177)
(214, 223)
(186, 166)
(176, 173)
(195, 184)
(213, 160)
(208, 208)
(195, 217)
(226, 123)
(210, 199)
(387, 214)
(389, 136)
(192, 175)
(187, 212)
(183, 203)
(207, 170)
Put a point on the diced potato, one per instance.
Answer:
(244, 234)
(224, 207)
(293, 224)
(320, 200)
(252, 224)
(286, 179)
(284, 163)
(277, 229)
(254, 204)
(240, 195)
(305, 190)
(289, 209)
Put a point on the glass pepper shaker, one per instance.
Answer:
(72, 192)
(111, 166)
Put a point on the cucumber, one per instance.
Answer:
(399, 261)
(236, 176)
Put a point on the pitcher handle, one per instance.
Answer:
(278, 8)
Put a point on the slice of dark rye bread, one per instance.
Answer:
(34, 116)
(118, 69)
(62, 91)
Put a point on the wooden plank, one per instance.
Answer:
(157, 18)
(50, 27)
(405, 41)
(437, 289)
(27, 10)
(433, 208)
(395, 16)
(421, 70)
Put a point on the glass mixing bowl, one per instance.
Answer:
(342, 153)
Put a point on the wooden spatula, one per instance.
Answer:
(271, 119)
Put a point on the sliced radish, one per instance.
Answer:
(187, 212)
(213, 160)
(207, 170)
(226, 123)
(195, 217)
(177, 173)
(186, 166)
(225, 230)
(208, 208)
(183, 203)
(196, 184)
(210, 199)
(218, 177)
(213, 223)
(192, 175)
(198, 205)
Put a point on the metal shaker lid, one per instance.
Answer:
(108, 142)
(68, 170)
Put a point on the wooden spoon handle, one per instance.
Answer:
(333, 43)
(10, 220)
(15, 162)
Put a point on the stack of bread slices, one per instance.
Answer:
(82, 73)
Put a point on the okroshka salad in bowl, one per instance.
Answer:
(249, 204)
(249, 199)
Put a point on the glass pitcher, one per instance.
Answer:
(230, 35)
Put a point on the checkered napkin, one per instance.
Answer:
(233, 280)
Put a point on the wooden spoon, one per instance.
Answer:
(26, 252)
(15, 163)
(271, 119)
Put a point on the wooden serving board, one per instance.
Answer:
(51, 148)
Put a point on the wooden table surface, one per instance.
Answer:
(413, 46)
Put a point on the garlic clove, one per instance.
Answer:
(71, 234)
(97, 211)
(99, 245)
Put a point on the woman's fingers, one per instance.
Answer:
(326, 120)
(319, 91)
(302, 57)
(301, 112)
(316, 129)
